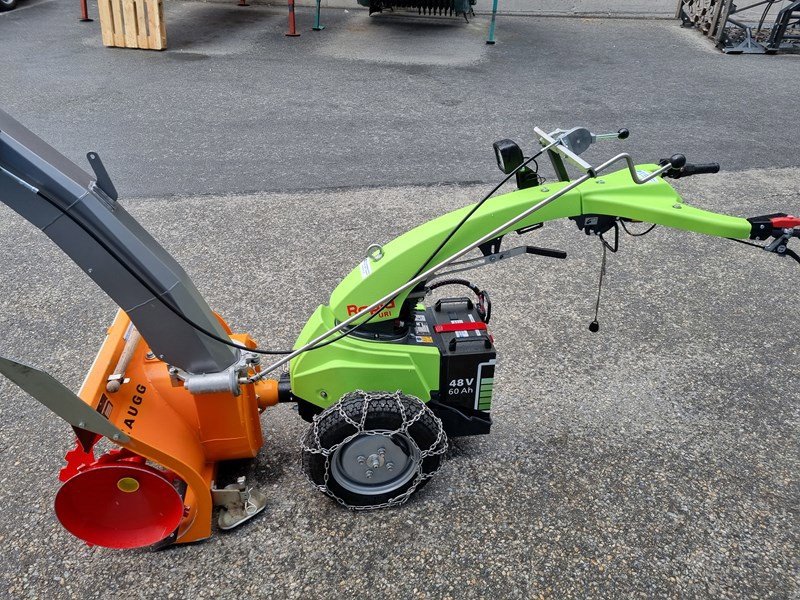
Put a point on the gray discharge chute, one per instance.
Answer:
(74, 210)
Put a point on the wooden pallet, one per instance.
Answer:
(133, 24)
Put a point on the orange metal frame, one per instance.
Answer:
(167, 425)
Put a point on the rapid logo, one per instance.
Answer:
(386, 311)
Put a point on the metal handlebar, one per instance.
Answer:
(591, 172)
(556, 144)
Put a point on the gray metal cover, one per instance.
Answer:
(60, 198)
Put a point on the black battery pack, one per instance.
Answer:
(466, 375)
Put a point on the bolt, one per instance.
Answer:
(323, 394)
(375, 463)
(544, 189)
(389, 466)
(381, 451)
(368, 474)
(601, 181)
(361, 460)
(676, 206)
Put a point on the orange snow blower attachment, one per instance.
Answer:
(170, 385)
(118, 500)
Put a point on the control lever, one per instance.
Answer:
(578, 139)
(621, 134)
(680, 168)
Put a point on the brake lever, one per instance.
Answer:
(780, 245)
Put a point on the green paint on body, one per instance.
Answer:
(323, 375)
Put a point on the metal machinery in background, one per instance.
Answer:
(141, 23)
(722, 21)
(424, 7)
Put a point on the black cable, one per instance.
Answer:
(615, 247)
(645, 232)
(443, 282)
(156, 294)
(594, 326)
(213, 336)
(484, 301)
(745, 243)
(435, 252)
(475, 208)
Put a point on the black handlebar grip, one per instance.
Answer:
(623, 134)
(701, 169)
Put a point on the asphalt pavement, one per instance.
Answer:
(236, 107)
(656, 458)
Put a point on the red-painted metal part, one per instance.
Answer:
(468, 326)
(292, 25)
(119, 504)
(84, 12)
(787, 222)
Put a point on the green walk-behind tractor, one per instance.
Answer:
(383, 374)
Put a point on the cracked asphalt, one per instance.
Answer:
(656, 458)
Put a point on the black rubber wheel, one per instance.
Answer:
(394, 459)
(7, 4)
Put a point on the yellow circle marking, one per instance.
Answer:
(128, 485)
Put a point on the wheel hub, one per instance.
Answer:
(377, 462)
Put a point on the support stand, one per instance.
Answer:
(84, 13)
(317, 26)
(292, 25)
(490, 40)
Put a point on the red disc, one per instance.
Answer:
(119, 505)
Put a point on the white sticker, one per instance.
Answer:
(460, 334)
(643, 174)
(366, 269)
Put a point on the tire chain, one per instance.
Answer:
(439, 446)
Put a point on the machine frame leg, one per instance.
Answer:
(317, 26)
(84, 13)
(490, 40)
(292, 23)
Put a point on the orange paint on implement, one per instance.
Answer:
(184, 434)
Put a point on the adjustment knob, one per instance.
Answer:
(678, 161)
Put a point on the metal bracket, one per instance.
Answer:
(61, 400)
(238, 503)
(103, 180)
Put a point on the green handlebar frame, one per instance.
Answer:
(346, 363)
(615, 194)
